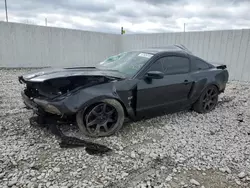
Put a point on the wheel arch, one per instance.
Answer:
(86, 108)
(97, 100)
(204, 88)
(211, 84)
(197, 104)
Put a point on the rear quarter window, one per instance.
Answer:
(200, 64)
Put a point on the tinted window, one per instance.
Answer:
(157, 66)
(200, 65)
(175, 65)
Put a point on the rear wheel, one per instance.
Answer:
(207, 101)
(101, 119)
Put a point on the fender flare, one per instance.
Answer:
(211, 84)
(97, 99)
(204, 88)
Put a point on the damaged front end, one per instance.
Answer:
(48, 96)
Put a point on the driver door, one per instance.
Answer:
(168, 92)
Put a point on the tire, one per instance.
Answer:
(199, 105)
(83, 116)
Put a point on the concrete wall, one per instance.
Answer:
(24, 45)
(231, 47)
(37, 46)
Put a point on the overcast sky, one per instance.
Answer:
(136, 16)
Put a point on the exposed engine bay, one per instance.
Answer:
(52, 88)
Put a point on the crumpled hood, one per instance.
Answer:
(51, 73)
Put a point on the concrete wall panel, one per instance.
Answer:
(245, 70)
(24, 45)
(234, 64)
(240, 64)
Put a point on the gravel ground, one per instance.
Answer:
(183, 149)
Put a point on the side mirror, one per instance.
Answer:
(154, 75)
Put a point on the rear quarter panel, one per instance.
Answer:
(204, 78)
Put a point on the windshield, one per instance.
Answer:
(128, 63)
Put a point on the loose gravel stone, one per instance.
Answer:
(194, 182)
(12, 182)
(56, 169)
(133, 155)
(182, 183)
(242, 175)
(237, 182)
(2, 175)
(225, 169)
(169, 178)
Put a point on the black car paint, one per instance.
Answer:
(135, 94)
(164, 90)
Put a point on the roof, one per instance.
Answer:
(170, 48)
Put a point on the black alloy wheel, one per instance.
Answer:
(207, 100)
(210, 99)
(102, 119)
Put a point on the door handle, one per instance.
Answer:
(186, 82)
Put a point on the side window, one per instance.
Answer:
(175, 65)
(157, 66)
(200, 65)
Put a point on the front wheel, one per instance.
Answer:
(101, 119)
(207, 101)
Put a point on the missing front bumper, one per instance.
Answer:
(48, 107)
(29, 103)
(38, 105)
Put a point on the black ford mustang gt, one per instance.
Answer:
(130, 85)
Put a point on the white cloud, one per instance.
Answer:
(134, 15)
